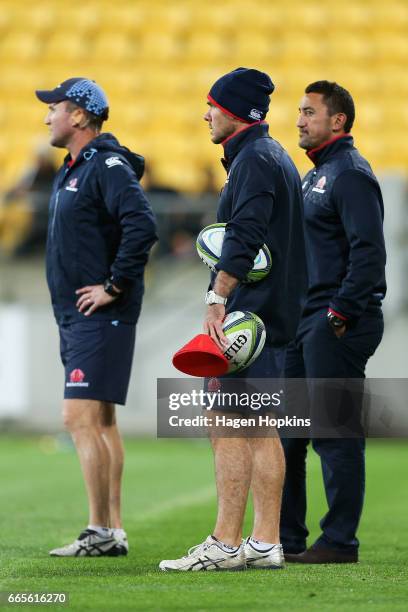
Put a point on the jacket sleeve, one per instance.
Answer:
(253, 196)
(127, 204)
(359, 203)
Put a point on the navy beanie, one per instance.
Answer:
(243, 94)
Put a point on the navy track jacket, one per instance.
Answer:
(262, 203)
(100, 226)
(345, 249)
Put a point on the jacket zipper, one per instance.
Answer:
(55, 213)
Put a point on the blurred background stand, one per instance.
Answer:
(156, 60)
(24, 206)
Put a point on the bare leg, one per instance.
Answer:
(82, 418)
(113, 441)
(233, 476)
(268, 473)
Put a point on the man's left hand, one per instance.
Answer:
(91, 298)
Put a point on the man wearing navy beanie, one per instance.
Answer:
(261, 202)
(243, 94)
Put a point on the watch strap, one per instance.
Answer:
(213, 298)
(110, 289)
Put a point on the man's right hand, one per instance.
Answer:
(213, 325)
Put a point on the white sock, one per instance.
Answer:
(261, 546)
(105, 532)
(225, 547)
(119, 533)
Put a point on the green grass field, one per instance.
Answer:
(169, 505)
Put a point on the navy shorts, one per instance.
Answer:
(269, 365)
(97, 356)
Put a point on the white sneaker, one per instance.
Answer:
(207, 556)
(89, 544)
(121, 541)
(263, 559)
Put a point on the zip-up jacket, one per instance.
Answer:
(262, 203)
(345, 248)
(100, 226)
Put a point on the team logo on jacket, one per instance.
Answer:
(76, 379)
(320, 185)
(214, 385)
(72, 185)
(255, 114)
(113, 161)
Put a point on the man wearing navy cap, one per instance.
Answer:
(261, 202)
(100, 231)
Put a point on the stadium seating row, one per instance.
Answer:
(156, 60)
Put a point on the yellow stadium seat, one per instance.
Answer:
(370, 116)
(64, 44)
(206, 47)
(219, 18)
(345, 48)
(6, 18)
(392, 80)
(391, 48)
(169, 17)
(125, 17)
(158, 46)
(390, 16)
(297, 46)
(295, 15)
(21, 46)
(38, 17)
(253, 47)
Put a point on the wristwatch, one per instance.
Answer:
(212, 298)
(110, 289)
(334, 320)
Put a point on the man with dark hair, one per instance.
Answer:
(100, 231)
(341, 324)
(261, 202)
(336, 99)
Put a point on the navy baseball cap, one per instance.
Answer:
(83, 92)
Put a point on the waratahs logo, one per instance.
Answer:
(321, 183)
(76, 376)
(76, 379)
(72, 185)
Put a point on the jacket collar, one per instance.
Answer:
(234, 143)
(87, 151)
(321, 153)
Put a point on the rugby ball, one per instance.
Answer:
(209, 247)
(246, 335)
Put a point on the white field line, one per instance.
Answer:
(176, 503)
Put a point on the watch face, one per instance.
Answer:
(335, 321)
